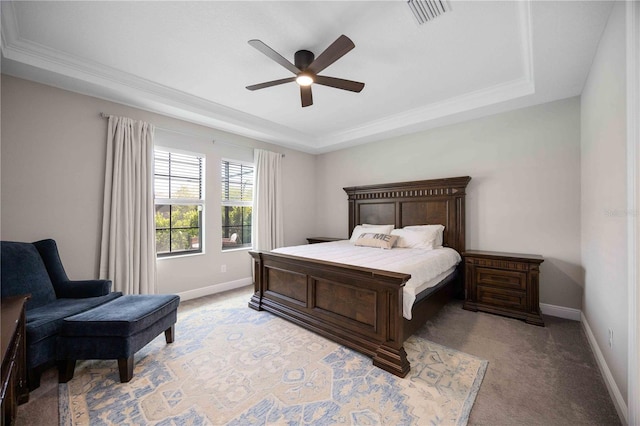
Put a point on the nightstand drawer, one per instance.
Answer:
(501, 297)
(514, 280)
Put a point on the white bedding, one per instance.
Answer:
(427, 267)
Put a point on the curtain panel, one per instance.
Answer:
(128, 253)
(268, 224)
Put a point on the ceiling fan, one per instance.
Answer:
(307, 67)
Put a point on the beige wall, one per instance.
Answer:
(604, 197)
(52, 171)
(524, 195)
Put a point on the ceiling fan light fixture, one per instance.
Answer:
(304, 79)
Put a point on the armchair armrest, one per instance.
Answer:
(83, 288)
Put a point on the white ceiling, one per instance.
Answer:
(191, 60)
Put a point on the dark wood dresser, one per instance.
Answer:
(503, 283)
(14, 357)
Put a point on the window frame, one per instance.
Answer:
(232, 203)
(182, 202)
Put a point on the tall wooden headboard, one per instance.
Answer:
(425, 202)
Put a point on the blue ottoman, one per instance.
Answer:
(115, 330)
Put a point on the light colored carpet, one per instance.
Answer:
(232, 365)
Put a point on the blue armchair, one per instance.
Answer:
(36, 269)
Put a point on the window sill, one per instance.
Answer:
(180, 256)
(236, 249)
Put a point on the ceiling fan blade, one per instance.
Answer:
(331, 54)
(305, 95)
(339, 83)
(274, 55)
(271, 83)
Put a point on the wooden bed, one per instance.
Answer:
(358, 307)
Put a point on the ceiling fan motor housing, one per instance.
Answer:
(303, 58)
(307, 67)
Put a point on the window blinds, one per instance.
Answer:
(237, 183)
(177, 176)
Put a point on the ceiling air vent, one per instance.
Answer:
(427, 10)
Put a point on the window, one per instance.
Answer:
(237, 201)
(179, 199)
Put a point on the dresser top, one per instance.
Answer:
(534, 258)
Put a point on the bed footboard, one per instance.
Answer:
(360, 308)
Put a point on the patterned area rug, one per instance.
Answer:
(232, 365)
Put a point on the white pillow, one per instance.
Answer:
(438, 229)
(368, 225)
(371, 229)
(415, 238)
(383, 241)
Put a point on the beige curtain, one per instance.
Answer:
(267, 202)
(128, 254)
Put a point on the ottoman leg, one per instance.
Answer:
(65, 370)
(33, 378)
(169, 334)
(125, 365)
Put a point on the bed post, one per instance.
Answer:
(392, 360)
(352, 214)
(256, 299)
(390, 355)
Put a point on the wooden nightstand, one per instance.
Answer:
(503, 283)
(314, 240)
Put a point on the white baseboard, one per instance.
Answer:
(213, 289)
(612, 387)
(560, 311)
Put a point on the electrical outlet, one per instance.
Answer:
(610, 338)
(223, 268)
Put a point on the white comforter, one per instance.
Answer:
(427, 267)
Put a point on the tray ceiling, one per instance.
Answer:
(191, 60)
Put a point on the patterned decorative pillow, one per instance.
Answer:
(384, 241)
(372, 229)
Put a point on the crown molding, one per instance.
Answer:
(132, 90)
(419, 118)
(422, 116)
(68, 72)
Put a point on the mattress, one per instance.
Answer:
(427, 267)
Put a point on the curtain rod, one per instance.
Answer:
(180, 132)
(105, 115)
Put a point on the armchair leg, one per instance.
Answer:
(66, 369)
(125, 366)
(169, 334)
